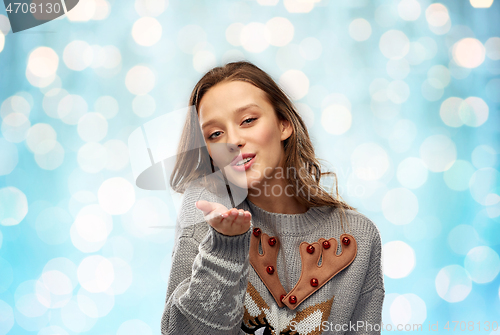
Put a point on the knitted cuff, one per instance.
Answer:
(231, 248)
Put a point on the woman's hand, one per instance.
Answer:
(227, 222)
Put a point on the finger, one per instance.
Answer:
(248, 216)
(240, 219)
(232, 215)
(214, 216)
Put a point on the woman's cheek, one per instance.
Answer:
(265, 135)
(218, 155)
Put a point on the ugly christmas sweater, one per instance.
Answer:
(288, 274)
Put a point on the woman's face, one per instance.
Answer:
(239, 124)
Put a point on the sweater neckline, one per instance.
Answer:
(290, 224)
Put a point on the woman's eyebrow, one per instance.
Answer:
(236, 111)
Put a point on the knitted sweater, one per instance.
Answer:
(222, 285)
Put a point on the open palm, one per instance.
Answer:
(230, 222)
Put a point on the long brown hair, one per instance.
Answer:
(299, 152)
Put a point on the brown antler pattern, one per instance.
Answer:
(331, 264)
(261, 263)
(312, 276)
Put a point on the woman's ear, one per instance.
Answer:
(286, 129)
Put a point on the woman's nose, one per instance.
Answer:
(234, 142)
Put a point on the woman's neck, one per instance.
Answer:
(270, 195)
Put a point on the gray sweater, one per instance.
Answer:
(214, 287)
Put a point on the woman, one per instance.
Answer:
(280, 262)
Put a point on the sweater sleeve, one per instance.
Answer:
(207, 283)
(367, 315)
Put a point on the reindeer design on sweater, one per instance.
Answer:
(261, 319)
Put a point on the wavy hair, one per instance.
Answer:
(193, 164)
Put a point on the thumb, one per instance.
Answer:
(204, 206)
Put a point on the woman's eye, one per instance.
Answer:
(212, 135)
(250, 119)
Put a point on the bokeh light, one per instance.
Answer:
(50, 155)
(369, 161)
(43, 62)
(408, 309)
(116, 196)
(482, 263)
(438, 18)
(203, 61)
(255, 37)
(412, 172)
(398, 259)
(13, 206)
(398, 69)
(295, 83)
(92, 157)
(9, 157)
(360, 29)
(311, 48)
(118, 157)
(140, 80)
(394, 44)
(92, 127)
(74, 319)
(481, 3)
(107, 106)
(123, 275)
(2, 41)
(38, 134)
(453, 283)
(189, 37)
(71, 108)
(492, 46)
(53, 289)
(336, 119)
(473, 111)
(15, 104)
(400, 206)
(52, 330)
(438, 152)
(483, 183)
(147, 31)
(469, 53)
(281, 31)
(440, 75)
(95, 273)
(458, 176)
(431, 89)
(156, 213)
(150, 7)
(78, 55)
(463, 238)
(409, 10)
(299, 6)
(15, 127)
(134, 326)
(7, 320)
(95, 305)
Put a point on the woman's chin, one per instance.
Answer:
(240, 182)
(239, 179)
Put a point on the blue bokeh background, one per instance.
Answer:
(401, 98)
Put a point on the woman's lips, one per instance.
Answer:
(244, 167)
